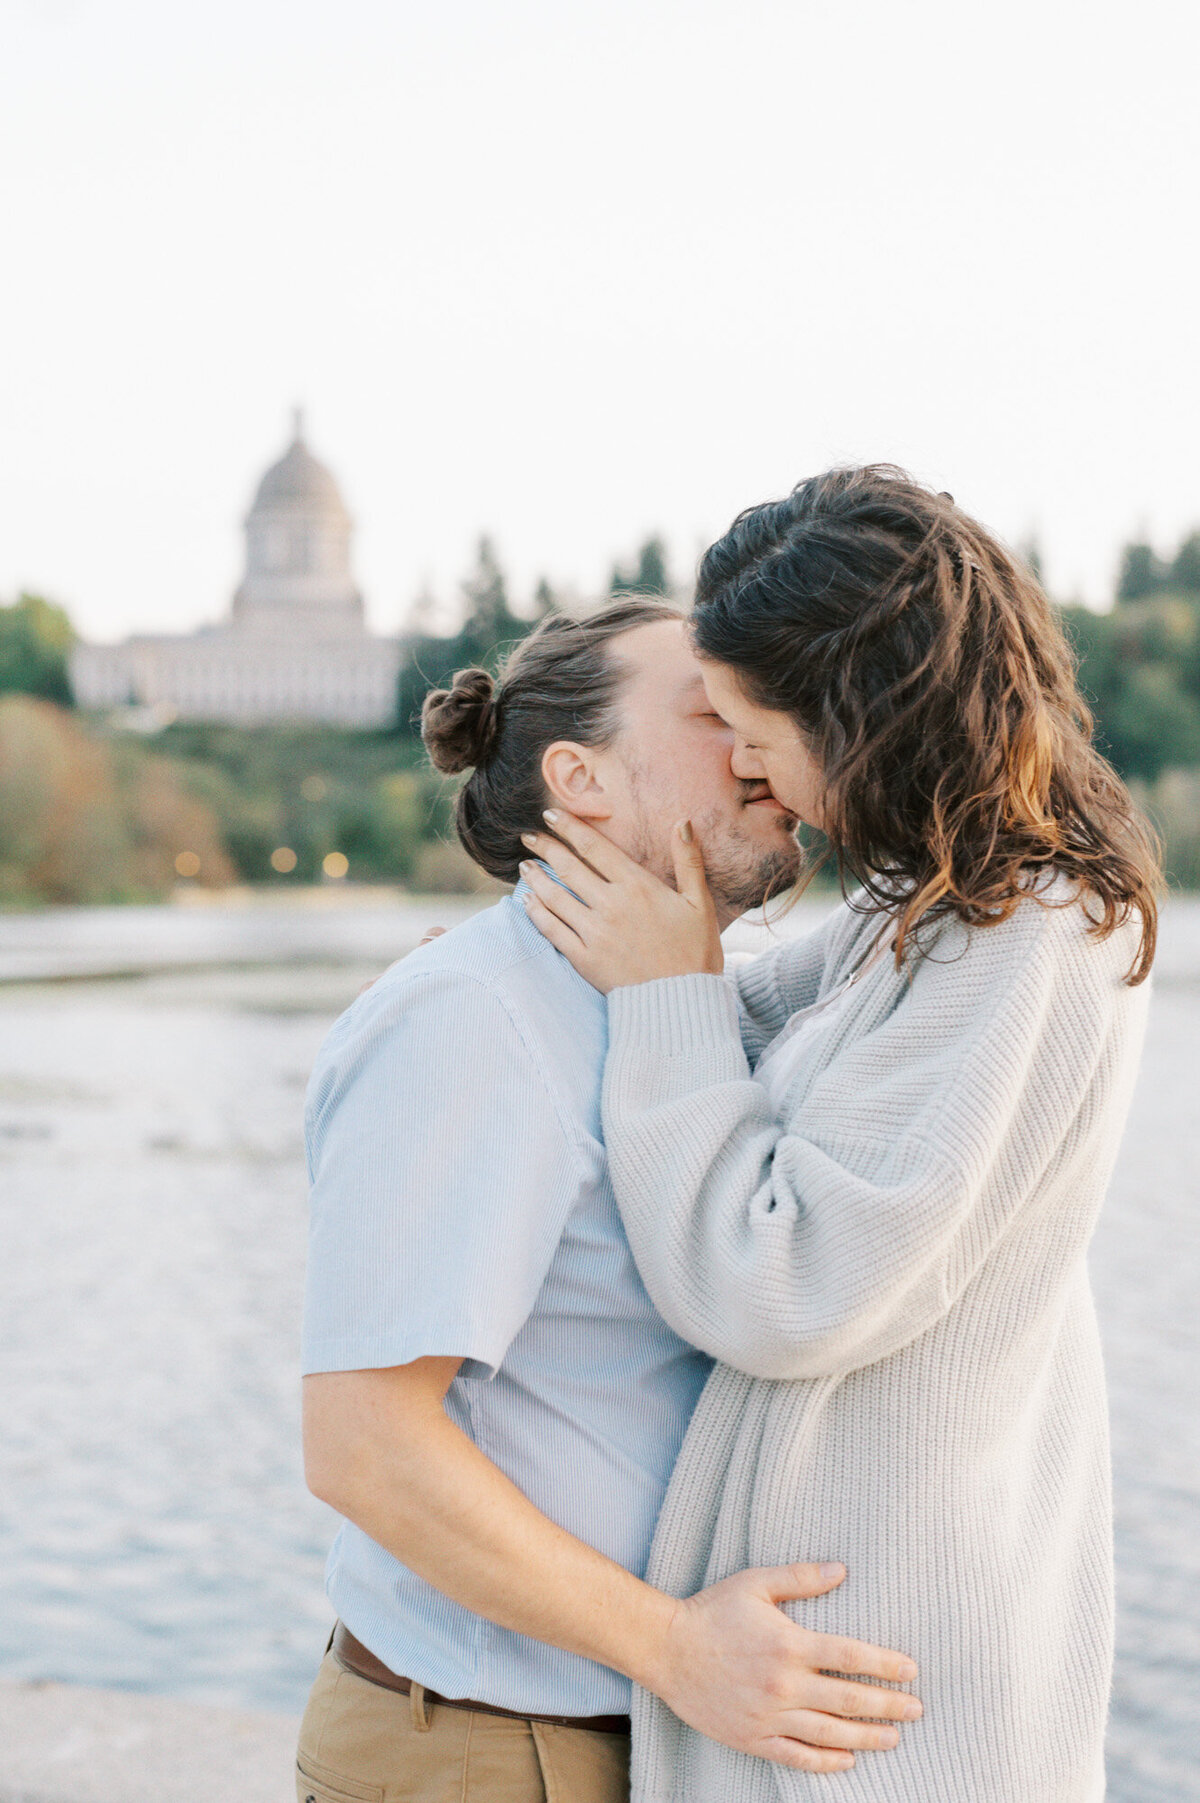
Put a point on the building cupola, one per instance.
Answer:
(298, 550)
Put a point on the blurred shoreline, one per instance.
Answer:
(247, 927)
(231, 928)
(67, 1743)
(257, 928)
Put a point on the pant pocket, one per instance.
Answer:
(317, 1783)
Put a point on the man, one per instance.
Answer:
(491, 1400)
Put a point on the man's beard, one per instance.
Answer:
(741, 873)
(742, 877)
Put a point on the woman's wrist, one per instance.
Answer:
(676, 1016)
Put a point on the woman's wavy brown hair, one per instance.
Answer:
(932, 679)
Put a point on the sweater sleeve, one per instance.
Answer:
(820, 1243)
(773, 985)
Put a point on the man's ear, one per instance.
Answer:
(571, 778)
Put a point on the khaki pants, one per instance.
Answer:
(360, 1743)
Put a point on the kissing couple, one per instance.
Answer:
(712, 1348)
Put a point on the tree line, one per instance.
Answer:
(92, 813)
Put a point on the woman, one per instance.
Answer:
(869, 1190)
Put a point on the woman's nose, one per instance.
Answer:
(746, 765)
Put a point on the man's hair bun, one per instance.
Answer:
(459, 724)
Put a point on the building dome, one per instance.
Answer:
(296, 647)
(299, 482)
(298, 574)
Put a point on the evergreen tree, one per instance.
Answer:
(488, 617)
(652, 578)
(1142, 573)
(545, 601)
(489, 628)
(1030, 554)
(1139, 671)
(1185, 568)
(1155, 725)
(649, 575)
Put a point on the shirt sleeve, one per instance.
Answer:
(442, 1172)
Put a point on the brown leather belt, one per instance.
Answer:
(360, 1660)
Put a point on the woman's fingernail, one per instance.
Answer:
(912, 1709)
(833, 1570)
(528, 838)
(551, 815)
(525, 866)
(685, 831)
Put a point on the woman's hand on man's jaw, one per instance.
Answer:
(613, 919)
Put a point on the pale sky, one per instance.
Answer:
(569, 273)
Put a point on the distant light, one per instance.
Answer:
(283, 859)
(314, 788)
(187, 864)
(335, 864)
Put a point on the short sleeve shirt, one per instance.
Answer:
(461, 1208)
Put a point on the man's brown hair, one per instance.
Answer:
(562, 682)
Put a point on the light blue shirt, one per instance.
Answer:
(461, 1208)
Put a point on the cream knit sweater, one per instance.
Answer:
(892, 1275)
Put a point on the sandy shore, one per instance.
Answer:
(65, 1744)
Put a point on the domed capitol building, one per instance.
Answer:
(296, 645)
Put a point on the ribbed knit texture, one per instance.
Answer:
(893, 1276)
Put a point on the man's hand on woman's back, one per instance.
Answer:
(381, 1450)
(738, 1669)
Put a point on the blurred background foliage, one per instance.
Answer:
(35, 637)
(94, 811)
(1139, 668)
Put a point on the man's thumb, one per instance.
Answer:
(689, 865)
(785, 1583)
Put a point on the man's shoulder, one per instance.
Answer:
(491, 989)
(496, 960)
(497, 949)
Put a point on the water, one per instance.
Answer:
(347, 926)
(154, 1527)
